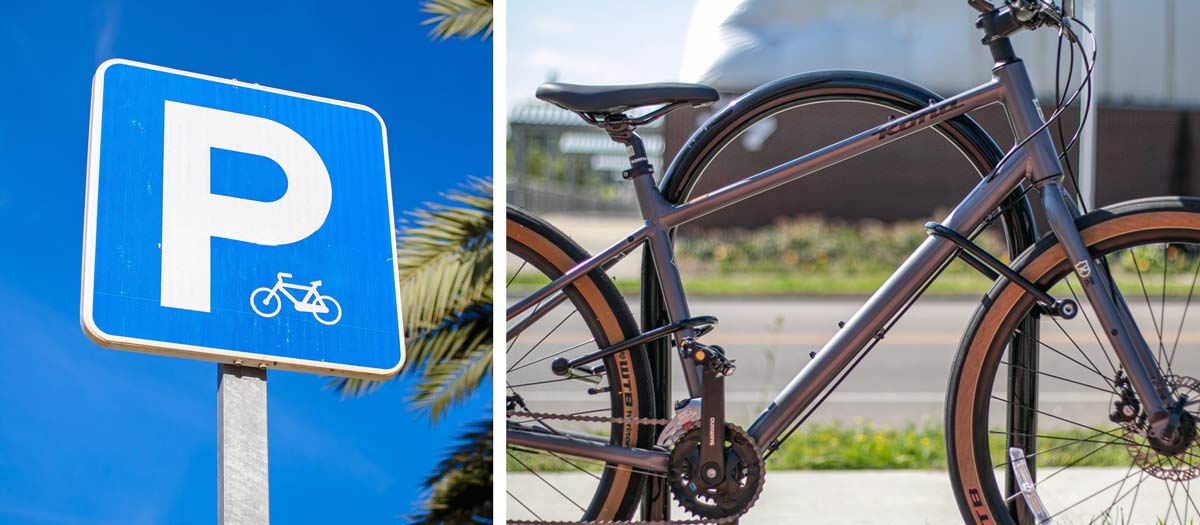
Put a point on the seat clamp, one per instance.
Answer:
(643, 168)
(619, 128)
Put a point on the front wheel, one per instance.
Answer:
(1084, 435)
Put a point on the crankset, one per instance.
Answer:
(745, 471)
(721, 505)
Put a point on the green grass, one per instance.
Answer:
(778, 284)
(811, 256)
(865, 446)
(835, 285)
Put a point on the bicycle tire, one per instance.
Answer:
(1124, 228)
(607, 317)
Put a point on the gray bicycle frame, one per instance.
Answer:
(1036, 163)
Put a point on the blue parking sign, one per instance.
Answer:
(236, 223)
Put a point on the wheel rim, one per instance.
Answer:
(1090, 468)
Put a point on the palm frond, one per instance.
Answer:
(460, 487)
(445, 265)
(448, 382)
(461, 18)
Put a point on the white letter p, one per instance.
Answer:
(192, 215)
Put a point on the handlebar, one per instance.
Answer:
(999, 23)
(1025, 10)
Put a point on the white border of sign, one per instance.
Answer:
(218, 355)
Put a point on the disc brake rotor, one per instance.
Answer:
(1184, 464)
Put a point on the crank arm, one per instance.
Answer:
(712, 430)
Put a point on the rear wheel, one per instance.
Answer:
(1089, 451)
(545, 485)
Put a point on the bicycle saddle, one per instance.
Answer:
(617, 99)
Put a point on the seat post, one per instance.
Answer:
(621, 130)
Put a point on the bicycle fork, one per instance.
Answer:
(1161, 407)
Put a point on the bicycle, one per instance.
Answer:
(312, 302)
(998, 433)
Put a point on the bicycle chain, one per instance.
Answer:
(622, 420)
(589, 419)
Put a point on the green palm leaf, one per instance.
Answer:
(461, 485)
(445, 266)
(461, 18)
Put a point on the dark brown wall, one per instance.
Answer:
(1142, 152)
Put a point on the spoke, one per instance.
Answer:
(1093, 366)
(594, 463)
(1137, 487)
(512, 338)
(1182, 318)
(548, 381)
(1088, 439)
(1088, 318)
(1065, 420)
(548, 484)
(1060, 378)
(1073, 360)
(543, 308)
(1117, 496)
(1075, 462)
(522, 504)
(1092, 495)
(577, 467)
(531, 363)
(515, 274)
(1162, 351)
(1137, 490)
(544, 337)
(1051, 449)
(1162, 304)
(541, 422)
(1171, 501)
(1187, 491)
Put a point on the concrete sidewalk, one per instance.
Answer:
(899, 497)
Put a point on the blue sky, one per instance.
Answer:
(96, 436)
(545, 41)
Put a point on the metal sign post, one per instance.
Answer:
(1086, 11)
(242, 482)
(245, 225)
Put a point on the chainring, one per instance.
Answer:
(745, 472)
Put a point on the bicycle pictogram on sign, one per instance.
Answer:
(266, 302)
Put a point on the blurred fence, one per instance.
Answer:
(553, 197)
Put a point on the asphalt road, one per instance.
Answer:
(903, 380)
